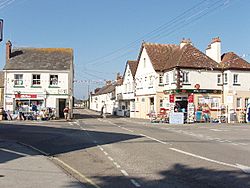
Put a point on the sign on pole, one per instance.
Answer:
(1, 30)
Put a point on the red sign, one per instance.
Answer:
(27, 96)
(197, 86)
(171, 98)
(191, 98)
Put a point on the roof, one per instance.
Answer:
(231, 60)
(168, 56)
(106, 89)
(133, 67)
(1, 79)
(40, 59)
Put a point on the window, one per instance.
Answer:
(246, 102)
(144, 62)
(36, 79)
(53, 80)
(219, 79)
(18, 79)
(143, 100)
(167, 78)
(225, 78)
(185, 77)
(160, 79)
(239, 102)
(151, 80)
(161, 103)
(235, 81)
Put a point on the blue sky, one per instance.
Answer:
(101, 31)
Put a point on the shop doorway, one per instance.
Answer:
(62, 105)
(152, 104)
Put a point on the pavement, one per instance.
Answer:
(23, 167)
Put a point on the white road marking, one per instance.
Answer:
(117, 165)
(245, 169)
(135, 183)
(124, 172)
(216, 130)
(100, 147)
(105, 153)
(15, 152)
(110, 158)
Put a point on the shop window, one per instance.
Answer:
(53, 80)
(239, 102)
(36, 79)
(18, 79)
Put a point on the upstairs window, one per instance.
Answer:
(36, 79)
(225, 78)
(219, 79)
(185, 77)
(144, 62)
(53, 80)
(236, 79)
(160, 79)
(18, 79)
(167, 78)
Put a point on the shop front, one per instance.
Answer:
(196, 105)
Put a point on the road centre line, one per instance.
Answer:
(135, 183)
(124, 173)
(110, 158)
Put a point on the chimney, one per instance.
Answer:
(8, 50)
(184, 42)
(108, 82)
(214, 50)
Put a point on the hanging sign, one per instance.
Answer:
(171, 98)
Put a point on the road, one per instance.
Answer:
(123, 152)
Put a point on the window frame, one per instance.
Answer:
(50, 80)
(236, 79)
(17, 80)
(185, 77)
(219, 81)
(36, 81)
(160, 78)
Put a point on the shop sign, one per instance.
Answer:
(26, 96)
(171, 98)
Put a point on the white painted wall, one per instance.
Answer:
(46, 92)
(143, 74)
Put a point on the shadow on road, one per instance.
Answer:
(183, 176)
(56, 141)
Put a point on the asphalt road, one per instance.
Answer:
(123, 152)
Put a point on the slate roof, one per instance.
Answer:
(133, 67)
(231, 60)
(168, 56)
(40, 59)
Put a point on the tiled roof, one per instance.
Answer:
(232, 61)
(40, 59)
(106, 89)
(133, 67)
(168, 56)
(1, 79)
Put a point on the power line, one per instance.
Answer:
(181, 19)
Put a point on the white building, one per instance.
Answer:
(125, 93)
(38, 76)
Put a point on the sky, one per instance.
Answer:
(106, 33)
